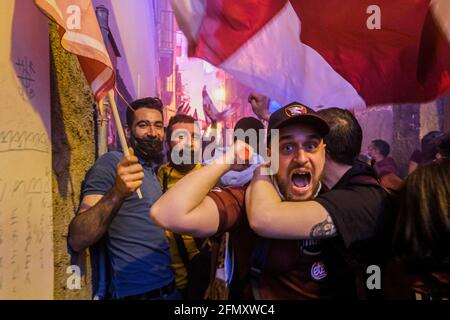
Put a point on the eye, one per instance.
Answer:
(159, 126)
(142, 125)
(310, 146)
(287, 148)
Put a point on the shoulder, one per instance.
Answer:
(358, 211)
(101, 176)
(363, 193)
(230, 194)
(163, 168)
(111, 158)
(230, 203)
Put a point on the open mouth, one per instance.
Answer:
(301, 180)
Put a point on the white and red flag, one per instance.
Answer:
(348, 53)
(81, 35)
(211, 110)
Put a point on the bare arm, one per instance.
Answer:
(96, 212)
(186, 208)
(271, 217)
(259, 105)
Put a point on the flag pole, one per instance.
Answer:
(122, 139)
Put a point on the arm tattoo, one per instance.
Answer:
(324, 229)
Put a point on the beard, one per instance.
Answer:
(184, 167)
(148, 149)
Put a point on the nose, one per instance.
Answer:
(301, 157)
(151, 132)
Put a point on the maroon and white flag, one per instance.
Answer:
(348, 53)
(81, 35)
(211, 110)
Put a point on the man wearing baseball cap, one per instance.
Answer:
(352, 218)
(281, 269)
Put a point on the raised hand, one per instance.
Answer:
(129, 175)
(260, 105)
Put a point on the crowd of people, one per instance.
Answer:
(297, 215)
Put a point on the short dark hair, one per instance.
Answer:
(178, 118)
(382, 146)
(429, 145)
(444, 146)
(345, 137)
(246, 124)
(150, 103)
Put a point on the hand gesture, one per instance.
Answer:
(129, 175)
(260, 105)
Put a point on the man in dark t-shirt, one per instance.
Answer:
(354, 214)
(292, 269)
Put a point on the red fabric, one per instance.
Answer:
(407, 60)
(228, 24)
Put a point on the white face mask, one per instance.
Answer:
(241, 178)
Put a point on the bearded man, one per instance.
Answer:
(110, 212)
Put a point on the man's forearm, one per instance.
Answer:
(271, 217)
(263, 198)
(187, 194)
(89, 225)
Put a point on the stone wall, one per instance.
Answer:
(406, 136)
(403, 126)
(73, 147)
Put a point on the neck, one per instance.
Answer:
(333, 172)
(379, 158)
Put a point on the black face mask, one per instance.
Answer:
(148, 149)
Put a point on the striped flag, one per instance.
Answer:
(348, 53)
(184, 108)
(81, 35)
(211, 110)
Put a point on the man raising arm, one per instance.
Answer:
(354, 207)
(271, 217)
(193, 212)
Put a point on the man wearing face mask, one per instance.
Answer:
(111, 214)
(183, 139)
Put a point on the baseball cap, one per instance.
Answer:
(298, 113)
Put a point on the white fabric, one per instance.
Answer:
(287, 70)
(237, 178)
